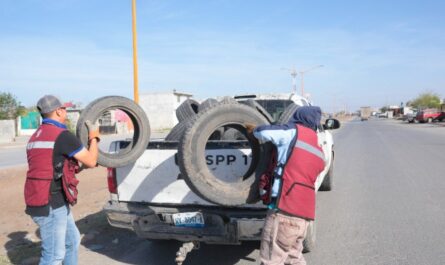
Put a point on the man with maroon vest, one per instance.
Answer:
(299, 161)
(50, 187)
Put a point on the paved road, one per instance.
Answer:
(388, 203)
(12, 155)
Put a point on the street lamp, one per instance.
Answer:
(302, 76)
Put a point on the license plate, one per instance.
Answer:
(192, 219)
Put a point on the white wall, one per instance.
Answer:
(7, 131)
(161, 108)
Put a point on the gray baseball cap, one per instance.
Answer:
(48, 103)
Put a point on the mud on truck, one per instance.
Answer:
(199, 183)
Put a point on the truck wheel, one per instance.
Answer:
(252, 103)
(287, 113)
(187, 109)
(192, 160)
(327, 183)
(309, 241)
(141, 135)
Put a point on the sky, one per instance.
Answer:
(373, 53)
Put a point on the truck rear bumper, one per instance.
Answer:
(222, 225)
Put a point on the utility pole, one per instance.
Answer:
(135, 53)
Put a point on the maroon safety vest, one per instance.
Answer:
(306, 162)
(40, 173)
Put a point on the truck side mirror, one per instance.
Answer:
(331, 124)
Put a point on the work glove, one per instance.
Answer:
(93, 131)
(249, 127)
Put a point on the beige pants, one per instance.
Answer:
(282, 240)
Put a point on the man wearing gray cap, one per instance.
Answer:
(51, 186)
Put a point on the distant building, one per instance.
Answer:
(160, 108)
(115, 121)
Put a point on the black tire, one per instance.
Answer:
(192, 162)
(328, 181)
(232, 134)
(187, 109)
(217, 134)
(207, 104)
(252, 103)
(287, 114)
(141, 135)
(176, 132)
(309, 241)
(228, 99)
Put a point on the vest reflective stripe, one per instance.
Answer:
(40, 145)
(309, 148)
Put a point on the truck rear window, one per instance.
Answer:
(274, 107)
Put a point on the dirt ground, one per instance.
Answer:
(18, 233)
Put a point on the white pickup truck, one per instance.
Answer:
(151, 197)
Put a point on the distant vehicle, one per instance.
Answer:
(365, 113)
(410, 118)
(441, 117)
(383, 115)
(429, 115)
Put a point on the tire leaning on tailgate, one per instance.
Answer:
(252, 103)
(187, 109)
(141, 135)
(192, 162)
(176, 132)
(287, 114)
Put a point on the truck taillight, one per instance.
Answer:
(112, 183)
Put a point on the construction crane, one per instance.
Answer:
(293, 72)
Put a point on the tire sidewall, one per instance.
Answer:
(141, 135)
(192, 149)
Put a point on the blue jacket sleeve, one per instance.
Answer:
(279, 135)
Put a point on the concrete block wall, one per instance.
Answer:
(7, 131)
(161, 108)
